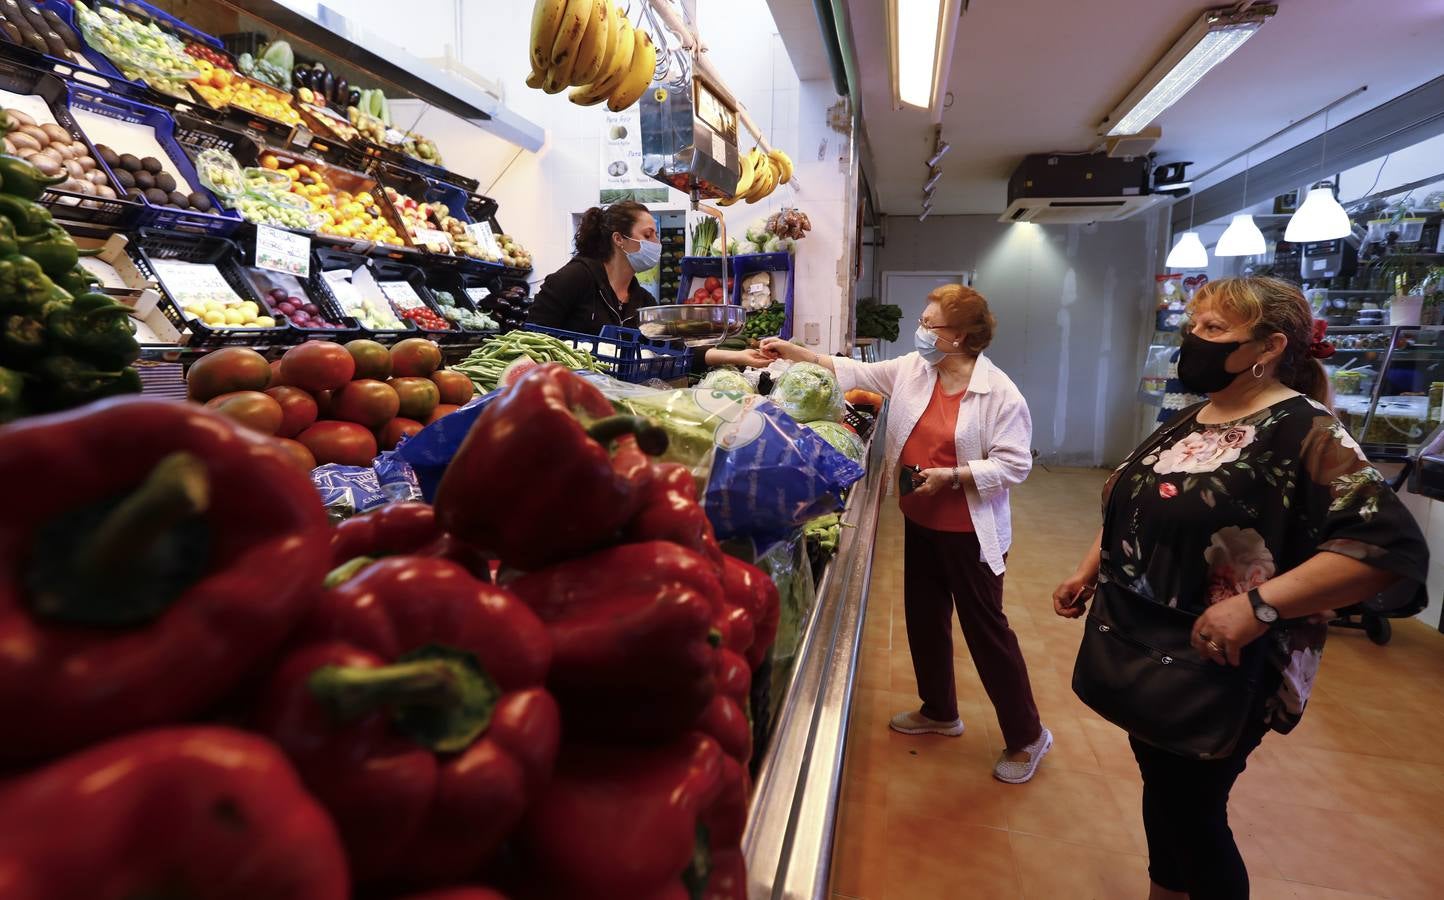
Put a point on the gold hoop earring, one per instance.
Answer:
(1258, 370)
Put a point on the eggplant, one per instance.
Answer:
(353, 97)
(9, 32)
(326, 86)
(58, 26)
(338, 93)
(33, 16)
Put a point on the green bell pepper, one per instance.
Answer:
(22, 179)
(25, 288)
(54, 249)
(69, 382)
(29, 218)
(75, 282)
(9, 245)
(12, 384)
(97, 329)
(23, 340)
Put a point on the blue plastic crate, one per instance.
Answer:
(752, 263)
(624, 359)
(116, 82)
(701, 267)
(221, 222)
(166, 20)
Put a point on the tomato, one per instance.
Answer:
(305, 459)
(392, 432)
(419, 397)
(415, 358)
(226, 371)
(252, 409)
(718, 296)
(442, 409)
(325, 408)
(455, 387)
(372, 359)
(366, 402)
(299, 409)
(317, 366)
(712, 283)
(339, 442)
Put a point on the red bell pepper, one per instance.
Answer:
(198, 812)
(408, 528)
(152, 553)
(622, 823)
(750, 587)
(457, 893)
(632, 631)
(534, 481)
(725, 718)
(725, 822)
(413, 709)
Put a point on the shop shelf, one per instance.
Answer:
(67, 205)
(225, 255)
(325, 259)
(387, 270)
(353, 182)
(221, 222)
(778, 263)
(625, 353)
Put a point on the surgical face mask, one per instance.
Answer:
(646, 256)
(1202, 364)
(924, 342)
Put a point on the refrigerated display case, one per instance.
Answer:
(1388, 386)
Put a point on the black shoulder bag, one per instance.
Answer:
(1137, 669)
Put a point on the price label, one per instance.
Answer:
(430, 237)
(481, 231)
(477, 295)
(283, 251)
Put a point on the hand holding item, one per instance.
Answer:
(756, 359)
(1070, 599)
(1225, 628)
(930, 481)
(777, 348)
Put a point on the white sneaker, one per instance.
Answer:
(917, 723)
(1019, 772)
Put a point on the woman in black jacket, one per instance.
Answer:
(599, 286)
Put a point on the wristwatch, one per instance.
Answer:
(1261, 609)
(956, 483)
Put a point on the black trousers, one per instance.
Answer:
(1185, 814)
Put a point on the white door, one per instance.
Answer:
(909, 290)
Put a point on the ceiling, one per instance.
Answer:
(1036, 76)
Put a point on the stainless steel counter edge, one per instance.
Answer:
(788, 842)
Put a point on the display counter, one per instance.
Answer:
(789, 838)
(1388, 386)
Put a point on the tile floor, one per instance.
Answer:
(1351, 805)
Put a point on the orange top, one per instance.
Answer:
(932, 444)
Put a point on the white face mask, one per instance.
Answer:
(646, 256)
(925, 343)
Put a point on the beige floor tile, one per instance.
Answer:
(1057, 870)
(939, 859)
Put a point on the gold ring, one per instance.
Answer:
(1216, 648)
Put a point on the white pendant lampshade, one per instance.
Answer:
(1320, 218)
(1241, 238)
(1188, 253)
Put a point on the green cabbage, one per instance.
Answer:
(726, 379)
(808, 392)
(842, 439)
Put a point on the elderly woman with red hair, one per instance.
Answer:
(960, 432)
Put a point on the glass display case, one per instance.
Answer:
(1388, 386)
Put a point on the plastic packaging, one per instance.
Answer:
(727, 379)
(807, 392)
(351, 490)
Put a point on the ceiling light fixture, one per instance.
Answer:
(1212, 38)
(922, 33)
(933, 175)
(1242, 237)
(1189, 252)
(942, 150)
(1319, 217)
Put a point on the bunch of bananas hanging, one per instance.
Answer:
(591, 46)
(761, 174)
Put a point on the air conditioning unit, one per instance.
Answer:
(1073, 189)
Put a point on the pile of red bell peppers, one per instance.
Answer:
(210, 692)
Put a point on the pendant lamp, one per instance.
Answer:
(1320, 217)
(1189, 252)
(1242, 237)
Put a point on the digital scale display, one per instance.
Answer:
(711, 110)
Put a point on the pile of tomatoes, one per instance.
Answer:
(709, 292)
(425, 318)
(211, 55)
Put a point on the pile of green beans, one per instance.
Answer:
(486, 363)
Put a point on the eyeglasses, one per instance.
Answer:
(935, 328)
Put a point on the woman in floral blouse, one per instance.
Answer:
(1257, 514)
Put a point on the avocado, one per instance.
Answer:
(130, 162)
(107, 156)
(178, 199)
(151, 165)
(165, 182)
(144, 180)
(157, 196)
(200, 202)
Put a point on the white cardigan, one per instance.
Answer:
(994, 436)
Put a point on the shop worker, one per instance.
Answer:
(961, 435)
(599, 285)
(1228, 537)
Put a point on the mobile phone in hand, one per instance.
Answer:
(909, 478)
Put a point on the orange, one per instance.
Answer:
(270, 162)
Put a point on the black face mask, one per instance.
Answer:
(1202, 364)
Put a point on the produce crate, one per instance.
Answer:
(270, 130)
(168, 21)
(459, 284)
(220, 222)
(326, 144)
(67, 205)
(625, 353)
(325, 259)
(264, 281)
(197, 133)
(341, 178)
(138, 88)
(387, 270)
(780, 264)
(694, 267)
(73, 61)
(225, 255)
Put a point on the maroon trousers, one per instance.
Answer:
(942, 570)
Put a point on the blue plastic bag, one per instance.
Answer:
(430, 450)
(351, 490)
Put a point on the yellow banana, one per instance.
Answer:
(597, 91)
(535, 79)
(784, 165)
(614, 35)
(764, 182)
(748, 165)
(546, 19)
(639, 74)
(728, 201)
(552, 82)
(594, 43)
(569, 40)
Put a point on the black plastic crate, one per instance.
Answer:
(196, 133)
(385, 270)
(264, 281)
(453, 280)
(325, 259)
(68, 205)
(225, 255)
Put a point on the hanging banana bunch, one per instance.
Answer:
(761, 174)
(592, 47)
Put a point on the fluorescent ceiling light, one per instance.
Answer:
(922, 33)
(1241, 238)
(1211, 40)
(1188, 253)
(1320, 218)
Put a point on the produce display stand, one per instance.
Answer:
(324, 259)
(626, 354)
(386, 271)
(781, 265)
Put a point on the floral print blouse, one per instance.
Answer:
(1202, 513)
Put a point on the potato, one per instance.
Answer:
(18, 117)
(86, 162)
(35, 131)
(52, 154)
(24, 141)
(86, 188)
(105, 190)
(74, 169)
(57, 134)
(95, 176)
(10, 148)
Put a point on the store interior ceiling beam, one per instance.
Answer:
(350, 40)
(1402, 122)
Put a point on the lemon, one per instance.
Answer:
(234, 317)
(265, 322)
(250, 309)
(214, 317)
